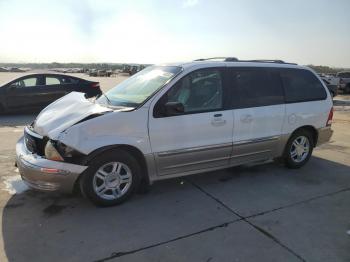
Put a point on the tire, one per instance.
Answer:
(295, 156)
(111, 178)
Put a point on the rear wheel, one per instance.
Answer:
(298, 149)
(111, 178)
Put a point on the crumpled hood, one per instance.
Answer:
(64, 113)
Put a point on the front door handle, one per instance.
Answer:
(217, 120)
(246, 118)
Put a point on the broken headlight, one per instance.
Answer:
(57, 151)
(51, 152)
(65, 150)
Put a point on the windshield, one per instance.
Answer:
(135, 90)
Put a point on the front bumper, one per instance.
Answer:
(324, 135)
(43, 174)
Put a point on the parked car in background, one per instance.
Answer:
(36, 91)
(13, 69)
(332, 79)
(104, 72)
(333, 88)
(176, 120)
(344, 81)
(92, 72)
(132, 69)
(100, 72)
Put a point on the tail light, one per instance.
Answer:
(95, 85)
(330, 117)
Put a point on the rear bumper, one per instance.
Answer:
(46, 175)
(324, 135)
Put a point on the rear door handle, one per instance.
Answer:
(246, 118)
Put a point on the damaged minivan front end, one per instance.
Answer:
(44, 162)
(40, 173)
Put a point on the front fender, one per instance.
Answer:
(117, 128)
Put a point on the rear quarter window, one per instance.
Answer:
(301, 85)
(51, 80)
(69, 80)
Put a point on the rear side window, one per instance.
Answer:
(301, 85)
(51, 80)
(254, 87)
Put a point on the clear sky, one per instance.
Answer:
(154, 31)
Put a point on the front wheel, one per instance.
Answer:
(298, 149)
(111, 178)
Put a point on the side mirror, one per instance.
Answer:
(174, 108)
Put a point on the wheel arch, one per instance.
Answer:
(128, 148)
(311, 129)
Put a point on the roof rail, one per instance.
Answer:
(226, 59)
(268, 61)
(265, 61)
(234, 59)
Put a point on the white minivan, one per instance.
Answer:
(174, 120)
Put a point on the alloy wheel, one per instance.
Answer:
(112, 180)
(300, 149)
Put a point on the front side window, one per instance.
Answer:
(301, 85)
(254, 87)
(199, 91)
(27, 82)
(138, 88)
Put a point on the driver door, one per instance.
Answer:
(200, 138)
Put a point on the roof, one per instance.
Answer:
(36, 74)
(209, 63)
(46, 73)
